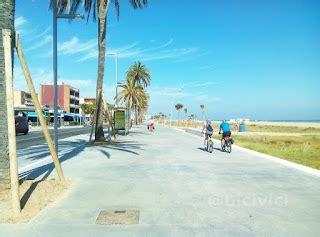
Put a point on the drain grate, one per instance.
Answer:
(123, 217)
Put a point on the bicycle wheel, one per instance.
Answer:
(223, 148)
(229, 147)
(210, 146)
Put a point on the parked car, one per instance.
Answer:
(22, 125)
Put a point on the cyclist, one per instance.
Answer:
(226, 131)
(208, 128)
(151, 125)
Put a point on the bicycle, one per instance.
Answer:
(227, 146)
(210, 144)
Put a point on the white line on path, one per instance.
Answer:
(25, 139)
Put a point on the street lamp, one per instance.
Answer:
(116, 58)
(55, 17)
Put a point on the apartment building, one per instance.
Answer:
(22, 99)
(68, 97)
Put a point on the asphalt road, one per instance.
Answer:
(36, 137)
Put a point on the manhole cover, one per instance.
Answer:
(124, 217)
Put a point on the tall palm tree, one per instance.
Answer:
(7, 9)
(178, 107)
(98, 8)
(140, 74)
(202, 110)
(185, 112)
(134, 96)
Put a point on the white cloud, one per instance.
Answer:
(159, 52)
(40, 76)
(90, 55)
(46, 39)
(199, 84)
(158, 47)
(74, 46)
(172, 92)
(19, 21)
(41, 34)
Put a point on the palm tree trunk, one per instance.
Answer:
(6, 22)
(136, 114)
(102, 23)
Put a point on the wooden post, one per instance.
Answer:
(105, 105)
(38, 109)
(15, 195)
(95, 116)
(92, 128)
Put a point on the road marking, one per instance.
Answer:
(25, 139)
(34, 163)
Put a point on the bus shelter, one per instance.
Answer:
(121, 119)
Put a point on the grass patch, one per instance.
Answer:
(304, 150)
(280, 129)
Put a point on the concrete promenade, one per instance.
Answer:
(179, 189)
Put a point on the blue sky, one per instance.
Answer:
(241, 59)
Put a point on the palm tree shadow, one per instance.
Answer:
(125, 146)
(45, 170)
(43, 173)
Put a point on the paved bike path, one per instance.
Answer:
(180, 190)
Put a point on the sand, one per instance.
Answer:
(34, 196)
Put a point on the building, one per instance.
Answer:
(68, 97)
(87, 100)
(22, 99)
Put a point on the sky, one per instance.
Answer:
(241, 59)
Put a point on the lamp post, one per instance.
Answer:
(55, 17)
(116, 60)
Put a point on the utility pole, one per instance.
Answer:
(55, 17)
(55, 78)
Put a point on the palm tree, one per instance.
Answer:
(134, 96)
(140, 73)
(7, 9)
(202, 110)
(88, 109)
(98, 8)
(185, 112)
(178, 107)
(193, 116)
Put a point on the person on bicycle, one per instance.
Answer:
(226, 131)
(207, 130)
(151, 125)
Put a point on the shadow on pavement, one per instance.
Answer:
(201, 148)
(45, 170)
(41, 151)
(125, 146)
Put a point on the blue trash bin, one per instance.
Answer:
(242, 128)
